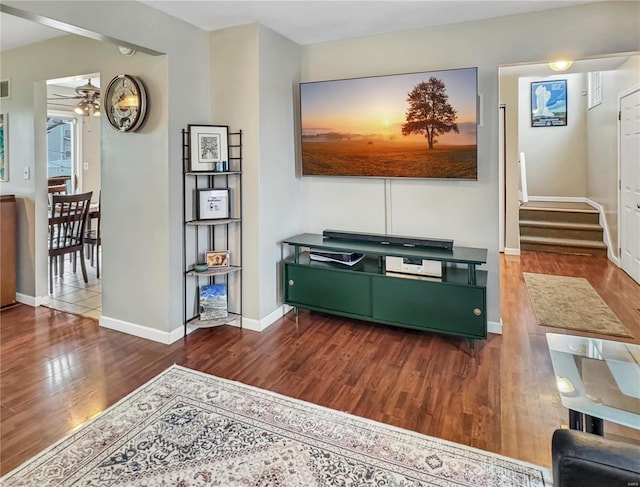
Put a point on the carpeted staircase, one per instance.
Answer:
(564, 229)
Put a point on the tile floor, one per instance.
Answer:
(70, 293)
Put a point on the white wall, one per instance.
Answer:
(464, 211)
(254, 72)
(235, 93)
(280, 192)
(91, 155)
(602, 143)
(556, 156)
(141, 172)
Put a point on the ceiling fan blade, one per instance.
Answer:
(65, 97)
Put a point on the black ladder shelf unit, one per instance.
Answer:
(200, 236)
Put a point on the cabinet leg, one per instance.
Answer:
(472, 347)
(297, 312)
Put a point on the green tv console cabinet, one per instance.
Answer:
(455, 304)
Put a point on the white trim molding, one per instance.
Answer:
(142, 331)
(34, 301)
(264, 323)
(495, 327)
(607, 236)
(510, 251)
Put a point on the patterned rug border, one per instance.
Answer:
(546, 473)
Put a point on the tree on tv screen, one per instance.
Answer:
(430, 112)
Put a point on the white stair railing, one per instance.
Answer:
(523, 193)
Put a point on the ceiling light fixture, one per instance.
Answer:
(87, 108)
(560, 65)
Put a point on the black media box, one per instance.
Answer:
(390, 239)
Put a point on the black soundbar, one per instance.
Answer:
(390, 239)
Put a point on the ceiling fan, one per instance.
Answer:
(89, 96)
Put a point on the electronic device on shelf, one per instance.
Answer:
(407, 265)
(400, 240)
(346, 258)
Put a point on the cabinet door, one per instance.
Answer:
(347, 292)
(433, 305)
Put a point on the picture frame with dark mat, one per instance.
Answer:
(212, 203)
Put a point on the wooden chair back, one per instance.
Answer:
(67, 223)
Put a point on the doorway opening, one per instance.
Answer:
(73, 167)
(567, 166)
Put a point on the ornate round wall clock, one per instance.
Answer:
(125, 102)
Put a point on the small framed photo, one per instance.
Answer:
(209, 147)
(549, 103)
(212, 203)
(218, 258)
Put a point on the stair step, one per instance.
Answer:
(565, 225)
(562, 230)
(559, 215)
(531, 206)
(563, 245)
(569, 242)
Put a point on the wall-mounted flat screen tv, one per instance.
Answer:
(416, 125)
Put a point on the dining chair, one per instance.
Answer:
(93, 239)
(67, 223)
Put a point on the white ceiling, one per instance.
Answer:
(308, 22)
(580, 66)
(16, 32)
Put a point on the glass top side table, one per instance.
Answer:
(597, 379)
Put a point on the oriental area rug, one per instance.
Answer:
(186, 428)
(571, 303)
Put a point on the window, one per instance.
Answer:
(59, 142)
(595, 89)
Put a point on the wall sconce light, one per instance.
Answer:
(126, 51)
(560, 65)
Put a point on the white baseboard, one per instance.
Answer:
(264, 323)
(495, 327)
(142, 331)
(509, 251)
(34, 301)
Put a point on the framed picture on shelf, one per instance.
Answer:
(549, 103)
(212, 203)
(213, 302)
(218, 258)
(209, 148)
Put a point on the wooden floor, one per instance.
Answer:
(58, 370)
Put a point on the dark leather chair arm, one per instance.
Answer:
(585, 460)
